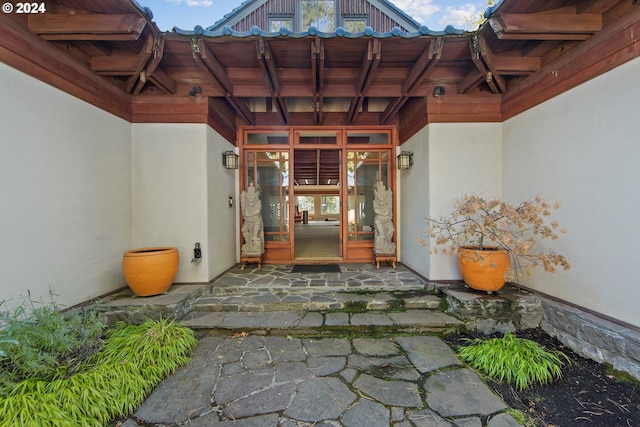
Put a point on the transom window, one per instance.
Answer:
(355, 25)
(275, 23)
(319, 13)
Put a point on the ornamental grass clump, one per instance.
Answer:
(40, 341)
(109, 384)
(516, 361)
(481, 223)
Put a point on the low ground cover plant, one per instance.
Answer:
(517, 361)
(96, 386)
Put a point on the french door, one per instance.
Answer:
(347, 166)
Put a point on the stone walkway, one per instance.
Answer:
(319, 349)
(249, 380)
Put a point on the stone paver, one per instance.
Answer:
(376, 347)
(472, 396)
(267, 356)
(428, 353)
(366, 413)
(320, 399)
(360, 382)
(394, 393)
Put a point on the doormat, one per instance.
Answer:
(316, 268)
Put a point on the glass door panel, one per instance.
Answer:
(269, 173)
(365, 169)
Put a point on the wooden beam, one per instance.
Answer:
(502, 34)
(550, 23)
(56, 68)
(419, 67)
(477, 60)
(92, 26)
(516, 64)
(315, 51)
(164, 82)
(317, 77)
(609, 48)
(143, 58)
(368, 70)
(158, 77)
(265, 58)
(214, 68)
(365, 66)
(470, 81)
(593, 6)
(425, 63)
(116, 65)
(487, 57)
(321, 66)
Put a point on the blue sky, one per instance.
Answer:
(186, 14)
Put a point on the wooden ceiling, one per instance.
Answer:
(111, 54)
(316, 167)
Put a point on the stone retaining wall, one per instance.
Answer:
(509, 310)
(593, 337)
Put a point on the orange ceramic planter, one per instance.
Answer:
(483, 270)
(150, 271)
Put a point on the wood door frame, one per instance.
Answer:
(321, 148)
(284, 253)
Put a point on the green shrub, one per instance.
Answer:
(44, 341)
(516, 361)
(109, 384)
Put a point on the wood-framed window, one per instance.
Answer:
(354, 24)
(277, 22)
(319, 13)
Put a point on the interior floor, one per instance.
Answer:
(317, 240)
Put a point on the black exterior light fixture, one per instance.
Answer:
(230, 160)
(438, 91)
(195, 91)
(404, 160)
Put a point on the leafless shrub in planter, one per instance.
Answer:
(481, 223)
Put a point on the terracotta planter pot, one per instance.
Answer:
(483, 270)
(150, 271)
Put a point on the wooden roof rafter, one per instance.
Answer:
(159, 78)
(317, 78)
(476, 58)
(265, 58)
(557, 24)
(489, 60)
(87, 26)
(143, 58)
(426, 62)
(366, 75)
(214, 68)
(117, 42)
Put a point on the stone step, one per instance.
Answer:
(292, 300)
(319, 323)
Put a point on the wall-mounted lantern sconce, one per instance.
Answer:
(197, 253)
(230, 160)
(438, 91)
(195, 91)
(405, 160)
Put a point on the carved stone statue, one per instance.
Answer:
(382, 207)
(253, 227)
